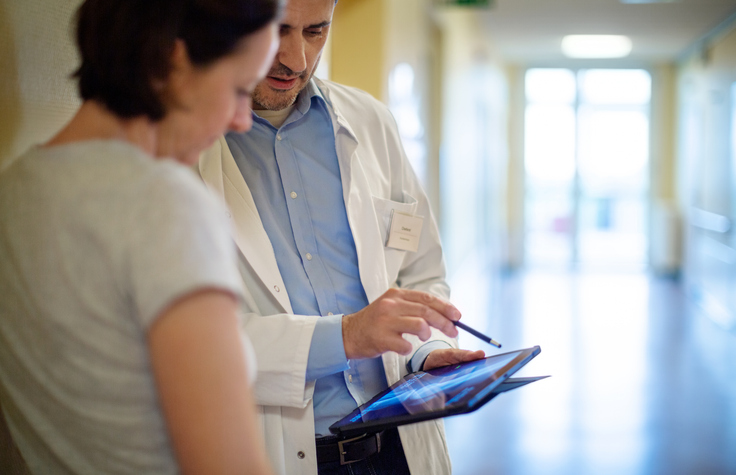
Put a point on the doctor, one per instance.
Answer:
(341, 260)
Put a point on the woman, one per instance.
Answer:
(119, 344)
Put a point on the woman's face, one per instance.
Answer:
(204, 102)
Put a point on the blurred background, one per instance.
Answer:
(586, 198)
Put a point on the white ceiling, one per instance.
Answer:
(530, 31)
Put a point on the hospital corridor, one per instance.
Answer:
(579, 159)
(641, 383)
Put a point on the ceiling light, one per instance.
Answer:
(596, 46)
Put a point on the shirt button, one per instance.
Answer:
(300, 454)
(276, 288)
(330, 313)
(293, 194)
(278, 137)
(309, 257)
(350, 378)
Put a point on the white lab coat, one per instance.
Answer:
(376, 178)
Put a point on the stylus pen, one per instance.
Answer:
(478, 334)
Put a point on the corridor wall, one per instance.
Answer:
(706, 164)
(38, 56)
(37, 97)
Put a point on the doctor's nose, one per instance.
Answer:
(291, 53)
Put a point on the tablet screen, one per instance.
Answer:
(440, 389)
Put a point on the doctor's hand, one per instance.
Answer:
(448, 356)
(378, 327)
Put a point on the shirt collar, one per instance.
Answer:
(304, 100)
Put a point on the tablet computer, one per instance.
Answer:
(439, 392)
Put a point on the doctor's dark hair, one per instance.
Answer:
(126, 45)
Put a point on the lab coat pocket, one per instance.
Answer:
(383, 208)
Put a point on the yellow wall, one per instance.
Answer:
(358, 45)
(37, 54)
(475, 111)
(664, 107)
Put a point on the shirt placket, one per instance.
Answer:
(301, 223)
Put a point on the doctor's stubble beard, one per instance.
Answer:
(280, 100)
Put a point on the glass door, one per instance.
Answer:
(586, 167)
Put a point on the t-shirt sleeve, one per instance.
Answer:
(179, 243)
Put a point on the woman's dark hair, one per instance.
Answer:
(126, 45)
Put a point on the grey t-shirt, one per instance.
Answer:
(96, 239)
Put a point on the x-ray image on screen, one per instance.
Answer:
(434, 389)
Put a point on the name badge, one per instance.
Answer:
(404, 231)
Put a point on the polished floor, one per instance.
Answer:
(642, 383)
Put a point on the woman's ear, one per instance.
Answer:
(180, 57)
(172, 87)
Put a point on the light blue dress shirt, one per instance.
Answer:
(294, 176)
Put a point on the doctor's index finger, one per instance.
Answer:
(409, 309)
(439, 305)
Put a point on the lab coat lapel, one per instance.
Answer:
(361, 216)
(359, 205)
(222, 175)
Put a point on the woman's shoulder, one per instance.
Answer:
(124, 169)
(108, 177)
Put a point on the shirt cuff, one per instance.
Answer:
(417, 361)
(326, 352)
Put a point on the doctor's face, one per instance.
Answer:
(303, 33)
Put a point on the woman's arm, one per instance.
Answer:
(200, 370)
